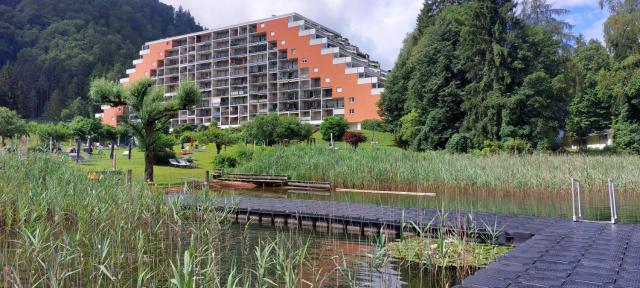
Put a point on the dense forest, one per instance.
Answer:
(497, 73)
(51, 49)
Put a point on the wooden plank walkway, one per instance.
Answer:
(550, 252)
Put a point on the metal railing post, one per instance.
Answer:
(579, 201)
(612, 201)
(573, 199)
(609, 195)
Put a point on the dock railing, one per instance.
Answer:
(577, 203)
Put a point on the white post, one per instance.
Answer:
(579, 202)
(612, 202)
(573, 200)
(331, 136)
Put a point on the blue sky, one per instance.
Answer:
(585, 15)
(376, 26)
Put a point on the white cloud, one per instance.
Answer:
(595, 31)
(376, 26)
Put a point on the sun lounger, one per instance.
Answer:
(186, 164)
(174, 162)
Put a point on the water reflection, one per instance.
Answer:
(337, 259)
(514, 202)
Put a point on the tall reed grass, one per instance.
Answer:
(395, 169)
(60, 229)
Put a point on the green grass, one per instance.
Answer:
(173, 175)
(60, 229)
(383, 139)
(395, 169)
(446, 252)
(162, 174)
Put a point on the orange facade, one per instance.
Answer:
(110, 115)
(144, 69)
(347, 82)
(154, 53)
(358, 98)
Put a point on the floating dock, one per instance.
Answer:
(550, 252)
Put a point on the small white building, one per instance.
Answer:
(596, 140)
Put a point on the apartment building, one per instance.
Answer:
(285, 64)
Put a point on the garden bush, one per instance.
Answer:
(333, 125)
(225, 160)
(354, 138)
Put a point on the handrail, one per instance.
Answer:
(575, 190)
(576, 199)
(612, 202)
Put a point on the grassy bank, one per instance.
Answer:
(395, 169)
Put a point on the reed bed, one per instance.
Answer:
(60, 229)
(399, 170)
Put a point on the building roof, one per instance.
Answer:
(241, 24)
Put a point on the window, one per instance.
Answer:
(327, 80)
(339, 89)
(352, 111)
(273, 33)
(262, 26)
(315, 69)
(304, 60)
(293, 51)
(282, 42)
(351, 99)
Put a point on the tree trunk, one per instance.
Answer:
(3, 144)
(218, 148)
(148, 166)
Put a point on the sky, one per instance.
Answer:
(376, 26)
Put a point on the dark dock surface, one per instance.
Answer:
(549, 252)
(568, 254)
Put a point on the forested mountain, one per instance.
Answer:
(51, 49)
(478, 73)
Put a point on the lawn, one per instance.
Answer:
(172, 175)
(162, 174)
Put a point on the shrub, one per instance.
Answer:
(408, 129)
(273, 129)
(225, 160)
(244, 153)
(55, 132)
(354, 138)
(488, 148)
(375, 125)
(459, 143)
(516, 146)
(333, 125)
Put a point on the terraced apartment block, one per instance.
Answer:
(285, 64)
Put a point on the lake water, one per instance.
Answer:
(357, 250)
(595, 206)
